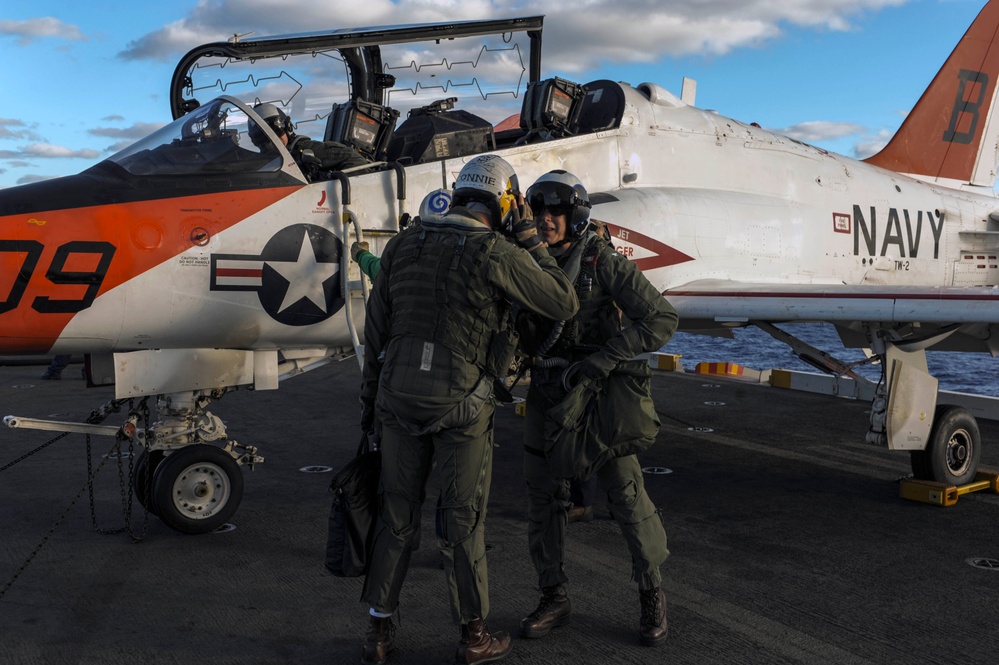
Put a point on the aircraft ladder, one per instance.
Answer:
(351, 288)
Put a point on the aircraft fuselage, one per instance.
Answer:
(690, 195)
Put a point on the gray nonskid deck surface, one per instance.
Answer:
(789, 544)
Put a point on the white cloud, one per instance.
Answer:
(32, 178)
(136, 131)
(11, 129)
(654, 29)
(870, 145)
(819, 130)
(118, 146)
(40, 28)
(49, 151)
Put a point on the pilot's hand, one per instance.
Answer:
(590, 368)
(356, 248)
(522, 226)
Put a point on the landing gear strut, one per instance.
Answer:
(944, 441)
(190, 485)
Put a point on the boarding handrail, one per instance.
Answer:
(349, 219)
(348, 306)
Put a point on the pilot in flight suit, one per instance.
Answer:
(592, 345)
(436, 340)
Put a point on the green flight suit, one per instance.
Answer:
(369, 264)
(606, 282)
(437, 303)
(332, 156)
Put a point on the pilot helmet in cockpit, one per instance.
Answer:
(273, 116)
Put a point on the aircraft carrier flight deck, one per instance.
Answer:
(789, 543)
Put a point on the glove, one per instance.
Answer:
(356, 248)
(523, 228)
(589, 368)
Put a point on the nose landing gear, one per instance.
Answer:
(197, 489)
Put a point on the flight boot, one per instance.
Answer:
(378, 642)
(478, 646)
(653, 628)
(553, 610)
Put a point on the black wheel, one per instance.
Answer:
(954, 449)
(143, 472)
(197, 489)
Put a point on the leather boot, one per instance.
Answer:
(553, 610)
(478, 646)
(378, 642)
(653, 628)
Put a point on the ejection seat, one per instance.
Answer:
(550, 110)
(364, 126)
(438, 131)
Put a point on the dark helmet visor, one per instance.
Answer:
(556, 197)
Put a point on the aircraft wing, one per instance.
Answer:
(702, 303)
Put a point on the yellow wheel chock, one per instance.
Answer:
(942, 494)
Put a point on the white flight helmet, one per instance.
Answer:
(435, 205)
(491, 180)
(273, 116)
(563, 194)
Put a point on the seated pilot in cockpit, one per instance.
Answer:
(311, 156)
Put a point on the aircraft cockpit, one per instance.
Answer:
(212, 139)
(449, 84)
(407, 94)
(556, 108)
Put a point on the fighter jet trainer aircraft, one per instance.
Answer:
(203, 258)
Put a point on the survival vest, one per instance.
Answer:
(596, 307)
(438, 292)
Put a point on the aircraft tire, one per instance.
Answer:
(954, 449)
(143, 473)
(197, 489)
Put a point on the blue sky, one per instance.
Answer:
(82, 80)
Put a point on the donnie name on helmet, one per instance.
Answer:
(489, 172)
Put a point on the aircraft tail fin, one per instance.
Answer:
(952, 133)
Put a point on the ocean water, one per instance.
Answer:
(976, 373)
